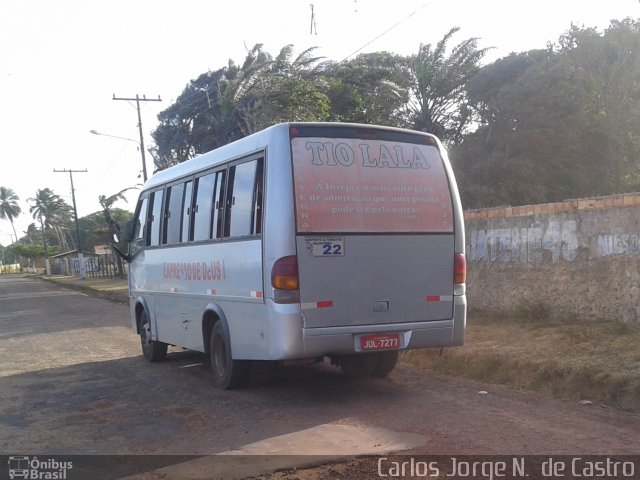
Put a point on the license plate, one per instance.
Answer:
(380, 341)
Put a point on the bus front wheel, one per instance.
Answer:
(152, 350)
(227, 372)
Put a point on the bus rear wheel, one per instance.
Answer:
(386, 363)
(227, 372)
(152, 350)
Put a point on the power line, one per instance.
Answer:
(385, 32)
(137, 99)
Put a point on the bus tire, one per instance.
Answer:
(386, 362)
(227, 372)
(152, 350)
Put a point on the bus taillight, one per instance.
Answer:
(284, 274)
(285, 281)
(459, 269)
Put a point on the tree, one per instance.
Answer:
(9, 208)
(438, 98)
(52, 212)
(495, 163)
(424, 91)
(31, 233)
(31, 252)
(227, 104)
(291, 90)
(556, 124)
(488, 91)
(107, 202)
(94, 231)
(212, 110)
(373, 88)
(610, 68)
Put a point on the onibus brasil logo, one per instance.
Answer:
(38, 469)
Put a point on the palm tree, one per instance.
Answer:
(237, 90)
(52, 212)
(438, 91)
(9, 208)
(49, 209)
(107, 202)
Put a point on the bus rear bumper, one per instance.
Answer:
(327, 341)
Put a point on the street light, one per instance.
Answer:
(144, 162)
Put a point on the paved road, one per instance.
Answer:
(73, 381)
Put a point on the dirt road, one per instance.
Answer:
(73, 381)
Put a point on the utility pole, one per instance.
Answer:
(75, 213)
(138, 100)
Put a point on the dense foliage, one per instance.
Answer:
(556, 124)
(423, 91)
(536, 126)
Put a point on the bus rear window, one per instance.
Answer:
(351, 185)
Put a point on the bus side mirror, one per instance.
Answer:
(115, 232)
(129, 231)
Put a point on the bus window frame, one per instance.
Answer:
(150, 208)
(258, 157)
(168, 194)
(224, 196)
(134, 245)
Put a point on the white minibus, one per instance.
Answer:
(302, 242)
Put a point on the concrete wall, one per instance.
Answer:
(578, 258)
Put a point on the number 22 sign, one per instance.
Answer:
(326, 246)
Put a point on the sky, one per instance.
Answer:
(62, 61)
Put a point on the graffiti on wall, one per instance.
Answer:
(558, 238)
(619, 244)
(525, 245)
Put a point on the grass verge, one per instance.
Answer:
(113, 289)
(590, 361)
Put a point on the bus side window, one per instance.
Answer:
(140, 233)
(186, 232)
(173, 209)
(242, 200)
(155, 219)
(203, 207)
